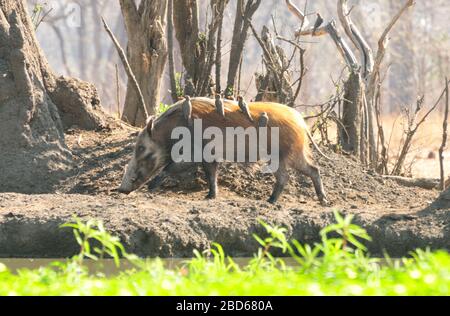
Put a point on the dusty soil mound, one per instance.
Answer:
(176, 220)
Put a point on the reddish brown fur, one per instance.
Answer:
(293, 135)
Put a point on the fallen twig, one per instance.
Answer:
(424, 183)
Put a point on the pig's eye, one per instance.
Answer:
(141, 149)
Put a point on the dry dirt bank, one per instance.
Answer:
(173, 227)
(176, 220)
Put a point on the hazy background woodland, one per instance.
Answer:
(418, 58)
(416, 63)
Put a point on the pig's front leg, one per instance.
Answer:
(211, 171)
(172, 169)
(157, 181)
(154, 184)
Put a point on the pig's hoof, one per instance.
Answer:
(122, 191)
(272, 200)
(153, 186)
(152, 189)
(211, 196)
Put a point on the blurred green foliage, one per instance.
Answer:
(339, 265)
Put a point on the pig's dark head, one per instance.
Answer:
(148, 158)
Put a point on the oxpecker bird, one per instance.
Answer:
(219, 106)
(244, 108)
(187, 110)
(263, 120)
(318, 24)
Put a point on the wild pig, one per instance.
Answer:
(154, 156)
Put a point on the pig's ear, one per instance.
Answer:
(150, 125)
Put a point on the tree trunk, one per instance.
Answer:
(244, 13)
(185, 18)
(35, 107)
(172, 72)
(198, 49)
(147, 55)
(351, 115)
(218, 63)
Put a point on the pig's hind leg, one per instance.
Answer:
(282, 178)
(313, 172)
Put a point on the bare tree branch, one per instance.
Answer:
(382, 46)
(444, 136)
(355, 36)
(413, 127)
(298, 13)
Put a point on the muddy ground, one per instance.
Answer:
(176, 220)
